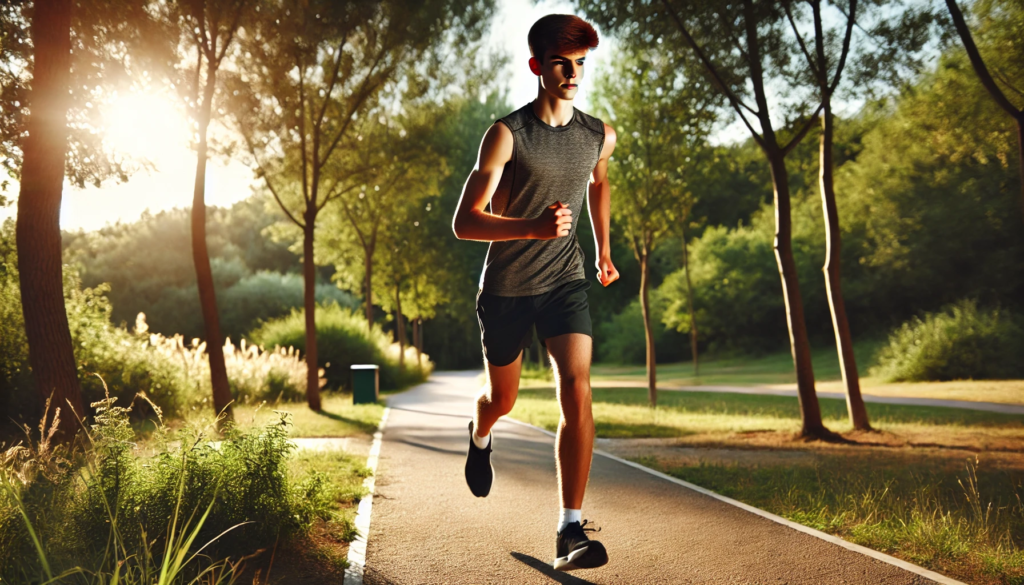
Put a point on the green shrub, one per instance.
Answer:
(960, 342)
(112, 506)
(343, 339)
(622, 339)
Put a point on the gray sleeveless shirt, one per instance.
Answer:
(549, 164)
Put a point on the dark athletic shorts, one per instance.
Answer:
(506, 322)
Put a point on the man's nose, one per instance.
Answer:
(570, 71)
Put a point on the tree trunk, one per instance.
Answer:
(201, 259)
(417, 339)
(400, 325)
(309, 297)
(810, 412)
(51, 353)
(645, 307)
(1020, 158)
(689, 300)
(368, 287)
(833, 244)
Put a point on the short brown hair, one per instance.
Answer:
(561, 32)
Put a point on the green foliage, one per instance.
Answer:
(622, 336)
(344, 339)
(959, 342)
(148, 265)
(114, 510)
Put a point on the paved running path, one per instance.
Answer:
(426, 527)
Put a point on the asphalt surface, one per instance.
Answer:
(426, 527)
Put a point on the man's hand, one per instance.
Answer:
(553, 222)
(606, 271)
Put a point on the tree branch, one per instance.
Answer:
(978, 63)
(734, 101)
(266, 178)
(800, 40)
(850, 20)
(801, 133)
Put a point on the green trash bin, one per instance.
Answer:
(365, 383)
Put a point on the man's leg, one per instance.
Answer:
(574, 446)
(498, 395)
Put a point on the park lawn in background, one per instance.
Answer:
(775, 371)
(338, 417)
(911, 489)
(746, 420)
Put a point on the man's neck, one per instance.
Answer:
(551, 110)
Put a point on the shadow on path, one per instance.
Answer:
(547, 571)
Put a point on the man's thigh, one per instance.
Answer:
(571, 354)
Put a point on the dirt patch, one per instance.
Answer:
(316, 558)
(769, 448)
(672, 452)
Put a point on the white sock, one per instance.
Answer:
(566, 517)
(481, 442)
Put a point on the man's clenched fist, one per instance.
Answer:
(554, 222)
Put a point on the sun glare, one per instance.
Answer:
(145, 125)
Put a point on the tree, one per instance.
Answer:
(1001, 24)
(51, 354)
(826, 68)
(209, 27)
(406, 252)
(49, 133)
(662, 120)
(307, 79)
(401, 170)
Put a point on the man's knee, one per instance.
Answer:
(574, 394)
(502, 398)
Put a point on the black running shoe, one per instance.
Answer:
(479, 473)
(573, 550)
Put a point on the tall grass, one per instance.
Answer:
(106, 512)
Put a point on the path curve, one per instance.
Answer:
(428, 528)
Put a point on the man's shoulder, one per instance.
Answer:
(589, 122)
(517, 119)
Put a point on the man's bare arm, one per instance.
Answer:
(473, 222)
(599, 200)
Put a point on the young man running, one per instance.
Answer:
(535, 167)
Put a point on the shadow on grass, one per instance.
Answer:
(362, 425)
(547, 571)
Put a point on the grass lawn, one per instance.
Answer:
(776, 371)
(941, 487)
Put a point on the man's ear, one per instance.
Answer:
(534, 65)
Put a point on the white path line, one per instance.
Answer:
(944, 580)
(357, 548)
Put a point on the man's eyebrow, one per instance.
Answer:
(553, 57)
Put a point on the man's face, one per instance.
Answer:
(561, 72)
